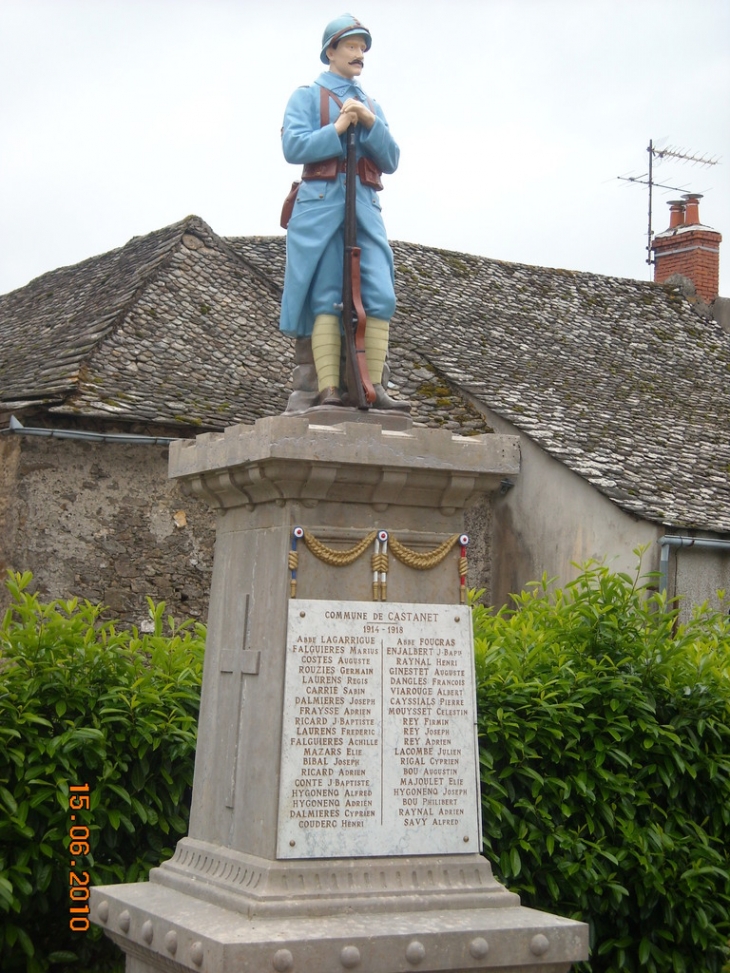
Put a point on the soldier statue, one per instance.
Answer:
(316, 124)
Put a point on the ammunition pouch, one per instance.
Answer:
(369, 173)
(326, 169)
(288, 208)
(329, 169)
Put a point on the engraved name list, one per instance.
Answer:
(379, 739)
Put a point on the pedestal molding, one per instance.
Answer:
(286, 458)
(257, 886)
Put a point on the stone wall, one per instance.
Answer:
(103, 522)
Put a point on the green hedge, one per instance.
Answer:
(605, 750)
(605, 757)
(82, 703)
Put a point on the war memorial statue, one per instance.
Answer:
(339, 266)
(335, 821)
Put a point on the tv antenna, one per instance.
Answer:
(647, 179)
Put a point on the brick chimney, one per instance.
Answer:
(688, 248)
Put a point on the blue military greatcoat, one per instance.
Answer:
(315, 238)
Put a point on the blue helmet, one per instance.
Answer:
(341, 27)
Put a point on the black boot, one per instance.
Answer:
(330, 396)
(385, 402)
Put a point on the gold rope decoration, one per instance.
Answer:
(338, 559)
(379, 563)
(422, 562)
(293, 564)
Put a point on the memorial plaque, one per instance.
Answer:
(379, 752)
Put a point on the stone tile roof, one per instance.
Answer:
(172, 328)
(622, 381)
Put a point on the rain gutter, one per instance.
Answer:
(676, 540)
(16, 428)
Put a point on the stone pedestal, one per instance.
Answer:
(225, 901)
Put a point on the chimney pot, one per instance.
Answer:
(676, 213)
(692, 209)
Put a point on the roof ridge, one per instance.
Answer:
(89, 261)
(483, 259)
(97, 324)
(156, 266)
(276, 289)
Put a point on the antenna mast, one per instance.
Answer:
(648, 179)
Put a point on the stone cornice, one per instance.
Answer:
(282, 458)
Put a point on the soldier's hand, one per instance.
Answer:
(362, 113)
(344, 120)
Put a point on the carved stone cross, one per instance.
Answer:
(234, 663)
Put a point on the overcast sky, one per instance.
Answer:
(514, 117)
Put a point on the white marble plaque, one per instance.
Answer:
(379, 752)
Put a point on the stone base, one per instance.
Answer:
(161, 928)
(333, 415)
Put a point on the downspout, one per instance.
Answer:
(17, 429)
(676, 540)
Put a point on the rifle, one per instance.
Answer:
(360, 388)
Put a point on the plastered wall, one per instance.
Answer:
(552, 521)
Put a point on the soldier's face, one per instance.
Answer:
(348, 58)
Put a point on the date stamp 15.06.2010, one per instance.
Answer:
(78, 888)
